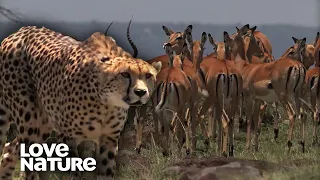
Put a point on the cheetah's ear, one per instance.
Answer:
(157, 66)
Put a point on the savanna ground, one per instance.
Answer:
(271, 161)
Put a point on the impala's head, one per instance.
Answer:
(243, 29)
(316, 45)
(219, 48)
(234, 47)
(176, 39)
(299, 49)
(176, 60)
(197, 48)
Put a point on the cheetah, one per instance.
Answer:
(80, 89)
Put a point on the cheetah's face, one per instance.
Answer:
(130, 85)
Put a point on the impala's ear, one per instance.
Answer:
(237, 29)
(187, 31)
(211, 40)
(304, 39)
(253, 28)
(226, 37)
(247, 26)
(203, 39)
(303, 42)
(168, 31)
(184, 51)
(189, 39)
(316, 40)
(294, 39)
(157, 66)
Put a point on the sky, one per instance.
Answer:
(295, 12)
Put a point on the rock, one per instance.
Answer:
(219, 168)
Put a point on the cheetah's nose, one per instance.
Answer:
(140, 92)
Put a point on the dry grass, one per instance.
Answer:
(150, 164)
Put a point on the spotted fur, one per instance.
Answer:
(82, 90)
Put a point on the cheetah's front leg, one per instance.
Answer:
(108, 148)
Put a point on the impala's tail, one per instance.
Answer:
(163, 89)
(292, 79)
(168, 92)
(221, 88)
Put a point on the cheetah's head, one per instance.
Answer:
(127, 82)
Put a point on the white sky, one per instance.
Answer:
(299, 12)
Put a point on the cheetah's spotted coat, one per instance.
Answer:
(81, 89)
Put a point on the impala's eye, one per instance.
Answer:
(125, 74)
(148, 76)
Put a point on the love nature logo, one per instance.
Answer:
(33, 161)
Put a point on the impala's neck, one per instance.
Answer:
(238, 54)
(221, 51)
(308, 56)
(305, 56)
(177, 62)
(196, 54)
(317, 53)
(317, 58)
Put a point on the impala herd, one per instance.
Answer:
(240, 71)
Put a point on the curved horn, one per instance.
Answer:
(134, 47)
(106, 33)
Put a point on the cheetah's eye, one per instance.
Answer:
(104, 59)
(125, 74)
(148, 75)
(178, 38)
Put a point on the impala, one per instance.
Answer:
(279, 81)
(224, 84)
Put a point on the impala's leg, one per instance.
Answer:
(316, 119)
(207, 132)
(214, 122)
(262, 109)
(193, 124)
(233, 115)
(141, 114)
(180, 125)
(256, 120)
(249, 114)
(156, 120)
(276, 121)
(291, 114)
(225, 127)
(243, 110)
(165, 128)
(218, 118)
(183, 131)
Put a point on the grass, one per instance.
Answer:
(152, 164)
(269, 151)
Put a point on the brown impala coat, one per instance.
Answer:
(271, 82)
